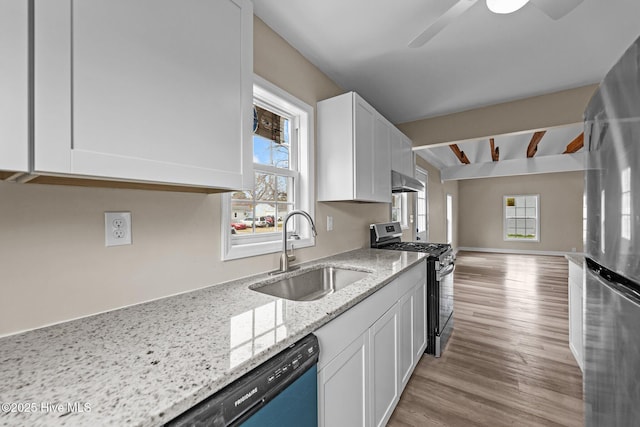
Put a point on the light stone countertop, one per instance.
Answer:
(576, 258)
(143, 365)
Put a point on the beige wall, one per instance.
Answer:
(539, 112)
(53, 263)
(481, 216)
(477, 203)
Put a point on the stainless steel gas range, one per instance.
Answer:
(440, 268)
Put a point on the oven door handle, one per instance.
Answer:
(449, 270)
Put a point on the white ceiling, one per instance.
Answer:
(480, 59)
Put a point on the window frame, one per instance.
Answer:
(402, 210)
(301, 115)
(421, 172)
(504, 219)
(449, 217)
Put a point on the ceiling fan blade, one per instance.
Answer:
(456, 10)
(556, 9)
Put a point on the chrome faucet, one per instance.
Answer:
(285, 258)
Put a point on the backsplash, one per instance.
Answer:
(55, 266)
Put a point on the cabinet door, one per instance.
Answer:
(382, 161)
(14, 85)
(343, 387)
(396, 150)
(144, 90)
(383, 371)
(405, 337)
(364, 171)
(419, 321)
(575, 312)
(408, 161)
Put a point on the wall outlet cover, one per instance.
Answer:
(117, 228)
(329, 223)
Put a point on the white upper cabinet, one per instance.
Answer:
(402, 157)
(353, 151)
(408, 158)
(396, 150)
(144, 90)
(381, 159)
(14, 85)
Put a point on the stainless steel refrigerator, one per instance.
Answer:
(612, 286)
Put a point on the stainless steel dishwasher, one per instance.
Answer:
(280, 392)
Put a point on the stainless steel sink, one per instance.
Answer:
(311, 284)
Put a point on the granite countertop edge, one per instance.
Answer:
(140, 406)
(576, 258)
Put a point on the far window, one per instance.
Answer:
(422, 225)
(521, 217)
(449, 218)
(399, 209)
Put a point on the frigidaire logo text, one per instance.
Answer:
(246, 396)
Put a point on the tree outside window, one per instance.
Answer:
(263, 209)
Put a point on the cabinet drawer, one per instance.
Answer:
(336, 335)
(409, 280)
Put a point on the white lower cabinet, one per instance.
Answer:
(405, 336)
(576, 277)
(412, 330)
(342, 387)
(383, 342)
(419, 325)
(368, 353)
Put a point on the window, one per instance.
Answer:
(399, 209)
(253, 219)
(449, 218)
(422, 226)
(521, 218)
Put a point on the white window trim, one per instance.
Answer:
(404, 214)
(504, 219)
(424, 172)
(449, 218)
(272, 242)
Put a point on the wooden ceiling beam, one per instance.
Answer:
(495, 151)
(575, 145)
(459, 154)
(533, 144)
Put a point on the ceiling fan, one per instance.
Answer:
(555, 9)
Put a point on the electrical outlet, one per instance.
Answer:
(329, 223)
(117, 228)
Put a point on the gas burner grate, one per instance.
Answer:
(434, 249)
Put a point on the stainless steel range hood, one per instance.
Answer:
(402, 183)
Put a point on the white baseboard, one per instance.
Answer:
(515, 251)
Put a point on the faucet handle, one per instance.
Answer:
(292, 257)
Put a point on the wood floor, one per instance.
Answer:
(508, 361)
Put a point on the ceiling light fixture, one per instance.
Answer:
(505, 6)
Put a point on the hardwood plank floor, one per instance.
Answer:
(508, 361)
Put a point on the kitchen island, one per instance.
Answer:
(145, 364)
